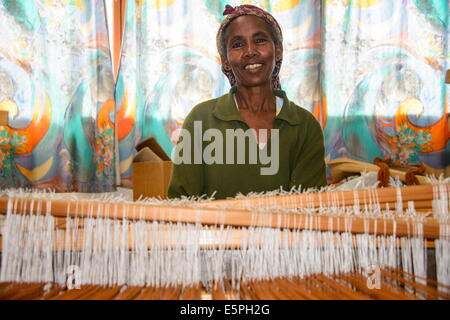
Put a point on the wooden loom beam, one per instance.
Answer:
(421, 194)
(231, 217)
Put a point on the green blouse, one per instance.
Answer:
(300, 153)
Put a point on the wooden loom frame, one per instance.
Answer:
(236, 212)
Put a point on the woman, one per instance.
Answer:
(217, 154)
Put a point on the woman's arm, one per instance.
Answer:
(309, 167)
(187, 177)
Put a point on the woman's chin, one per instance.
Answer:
(254, 83)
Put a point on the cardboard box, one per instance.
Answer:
(3, 118)
(151, 171)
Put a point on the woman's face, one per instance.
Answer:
(251, 51)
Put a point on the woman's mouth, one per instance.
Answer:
(253, 66)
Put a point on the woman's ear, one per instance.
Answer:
(279, 52)
(226, 65)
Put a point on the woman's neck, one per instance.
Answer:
(255, 99)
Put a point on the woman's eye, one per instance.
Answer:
(260, 40)
(237, 45)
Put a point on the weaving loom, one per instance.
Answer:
(359, 244)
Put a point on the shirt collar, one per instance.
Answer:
(225, 108)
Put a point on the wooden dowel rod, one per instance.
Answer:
(234, 217)
(383, 195)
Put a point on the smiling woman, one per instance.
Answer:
(255, 114)
(245, 38)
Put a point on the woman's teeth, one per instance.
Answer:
(252, 66)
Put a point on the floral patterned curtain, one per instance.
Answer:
(57, 85)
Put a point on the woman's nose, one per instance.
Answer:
(251, 51)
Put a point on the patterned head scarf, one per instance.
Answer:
(233, 13)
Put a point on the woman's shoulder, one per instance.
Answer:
(298, 115)
(203, 109)
(205, 105)
(298, 109)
